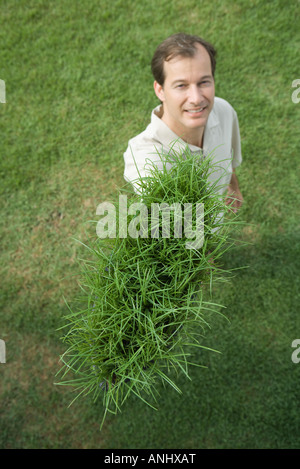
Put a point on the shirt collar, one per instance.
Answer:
(167, 137)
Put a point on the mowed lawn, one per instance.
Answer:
(78, 86)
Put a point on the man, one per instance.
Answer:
(183, 67)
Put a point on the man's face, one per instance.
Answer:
(187, 94)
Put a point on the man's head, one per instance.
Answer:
(179, 45)
(183, 68)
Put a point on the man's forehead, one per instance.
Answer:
(200, 62)
(199, 53)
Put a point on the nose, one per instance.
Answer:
(195, 95)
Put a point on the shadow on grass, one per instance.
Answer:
(247, 397)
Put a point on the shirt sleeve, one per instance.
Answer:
(133, 168)
(138, 159)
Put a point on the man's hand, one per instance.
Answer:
(234, 196)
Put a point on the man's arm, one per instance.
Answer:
(234, 196)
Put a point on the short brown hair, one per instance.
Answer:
(179, 44)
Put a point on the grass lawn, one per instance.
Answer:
(78, 86)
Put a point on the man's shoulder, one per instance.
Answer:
(150, 138)
(222, 106)
(142, 137)
(142, 143)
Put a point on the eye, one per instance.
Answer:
(205, 82)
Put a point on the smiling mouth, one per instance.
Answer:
(196, 111)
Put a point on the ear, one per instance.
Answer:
(159, 91)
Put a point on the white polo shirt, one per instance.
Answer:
(221, 138)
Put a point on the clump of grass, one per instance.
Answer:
(144, 295)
